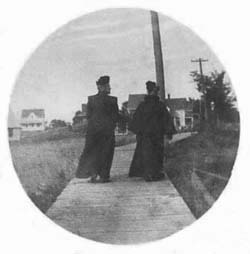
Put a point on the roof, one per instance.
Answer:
(134, 100)
(179, 104)
(12, 121)
(38, 112)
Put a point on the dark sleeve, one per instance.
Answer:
(169, 128)
(116, 115)
(136, 124)
(89, 108)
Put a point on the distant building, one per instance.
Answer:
(182, 111)
(84, 111)
(33, 120)
(80, 117)
(14, 128)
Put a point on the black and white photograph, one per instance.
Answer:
(123, 126)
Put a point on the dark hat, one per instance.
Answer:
(103, 80)
(151, 86)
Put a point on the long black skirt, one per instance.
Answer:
(148, 157)
(97, 156)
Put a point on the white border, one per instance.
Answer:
(224, 26)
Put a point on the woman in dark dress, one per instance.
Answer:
(150, 123)
(102, 114)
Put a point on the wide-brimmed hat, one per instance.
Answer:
(103, 80)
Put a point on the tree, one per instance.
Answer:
(198, 107)
(56, 123)
(218, 95)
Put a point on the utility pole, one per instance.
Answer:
(200, 61)
(159, 69)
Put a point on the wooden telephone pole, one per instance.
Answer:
(158, 54)
(200, 61)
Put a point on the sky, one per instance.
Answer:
(62, 72)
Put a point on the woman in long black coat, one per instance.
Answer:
(150, 123)
(102, 115)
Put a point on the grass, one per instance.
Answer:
(213, 151)
(51, 135)
(45, 166)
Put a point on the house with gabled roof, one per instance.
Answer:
(33, 120)
(182, 111)
(80, 117)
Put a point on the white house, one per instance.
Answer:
(14, 128)
(182, 112)
(33, 120)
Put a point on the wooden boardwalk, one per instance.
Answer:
(125, 211)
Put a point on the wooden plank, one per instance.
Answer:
(125, 211)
